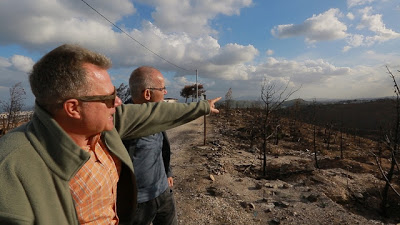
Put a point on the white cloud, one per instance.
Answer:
(321, 27)
(375, 24)
(188, 52)
(41, 23)
(318, 78)
(390, 59)
(77, 23)
(233, 54)
(4, 62)
(350, 16)
(355, 40)
(306, 71)
(192, 17)
(22, 63)
(352, 3)
(182, 33)
(14, 69)
(181, 81)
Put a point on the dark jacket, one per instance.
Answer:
(150, 156)
(166, 148)
(166, 154)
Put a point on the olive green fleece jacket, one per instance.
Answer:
(38, 159)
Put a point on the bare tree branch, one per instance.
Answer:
(383, 173)
(14, 106)
(123, 92)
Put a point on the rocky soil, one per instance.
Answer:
(221, 182)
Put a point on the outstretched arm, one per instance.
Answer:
(139, 120)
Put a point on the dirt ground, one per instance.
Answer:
(220, 183)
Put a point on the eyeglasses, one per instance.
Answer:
(158, 89)
(109, 100)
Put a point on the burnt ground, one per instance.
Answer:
(222, 182)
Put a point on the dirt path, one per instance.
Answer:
(231, 196)
(195, 192)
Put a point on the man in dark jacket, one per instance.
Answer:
(151, 155)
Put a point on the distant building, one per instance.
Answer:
(20, 114)
(170, 100)
(21, 117)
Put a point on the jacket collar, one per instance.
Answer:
(54, 146)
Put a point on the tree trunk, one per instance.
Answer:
(385, 192)
(341, 144)
(315, 149)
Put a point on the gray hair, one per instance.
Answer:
(59, 74)
(140, 79)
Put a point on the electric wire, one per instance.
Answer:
(145, 47)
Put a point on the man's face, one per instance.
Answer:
(98, 116)
(157, 93)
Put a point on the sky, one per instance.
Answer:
(322, 48)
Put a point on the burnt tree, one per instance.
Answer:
(190, 91)
(228, 100)
(392, 140)
(313, 119)
(273, 97)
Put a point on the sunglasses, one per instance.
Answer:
(109, 100)
(158, 89)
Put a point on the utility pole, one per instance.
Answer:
(205, 125)
(197, 87)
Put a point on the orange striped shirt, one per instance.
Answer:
(94, 187)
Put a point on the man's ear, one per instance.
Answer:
(72, 108)
(147, 94)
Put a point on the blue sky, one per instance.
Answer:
(331, 49)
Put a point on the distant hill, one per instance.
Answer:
(297, 101)
(365, 117)
(371, 117)
(243, 103)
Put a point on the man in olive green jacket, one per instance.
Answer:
(39, 159)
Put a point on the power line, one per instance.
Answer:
(135, 39)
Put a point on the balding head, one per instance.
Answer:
(142, 78)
